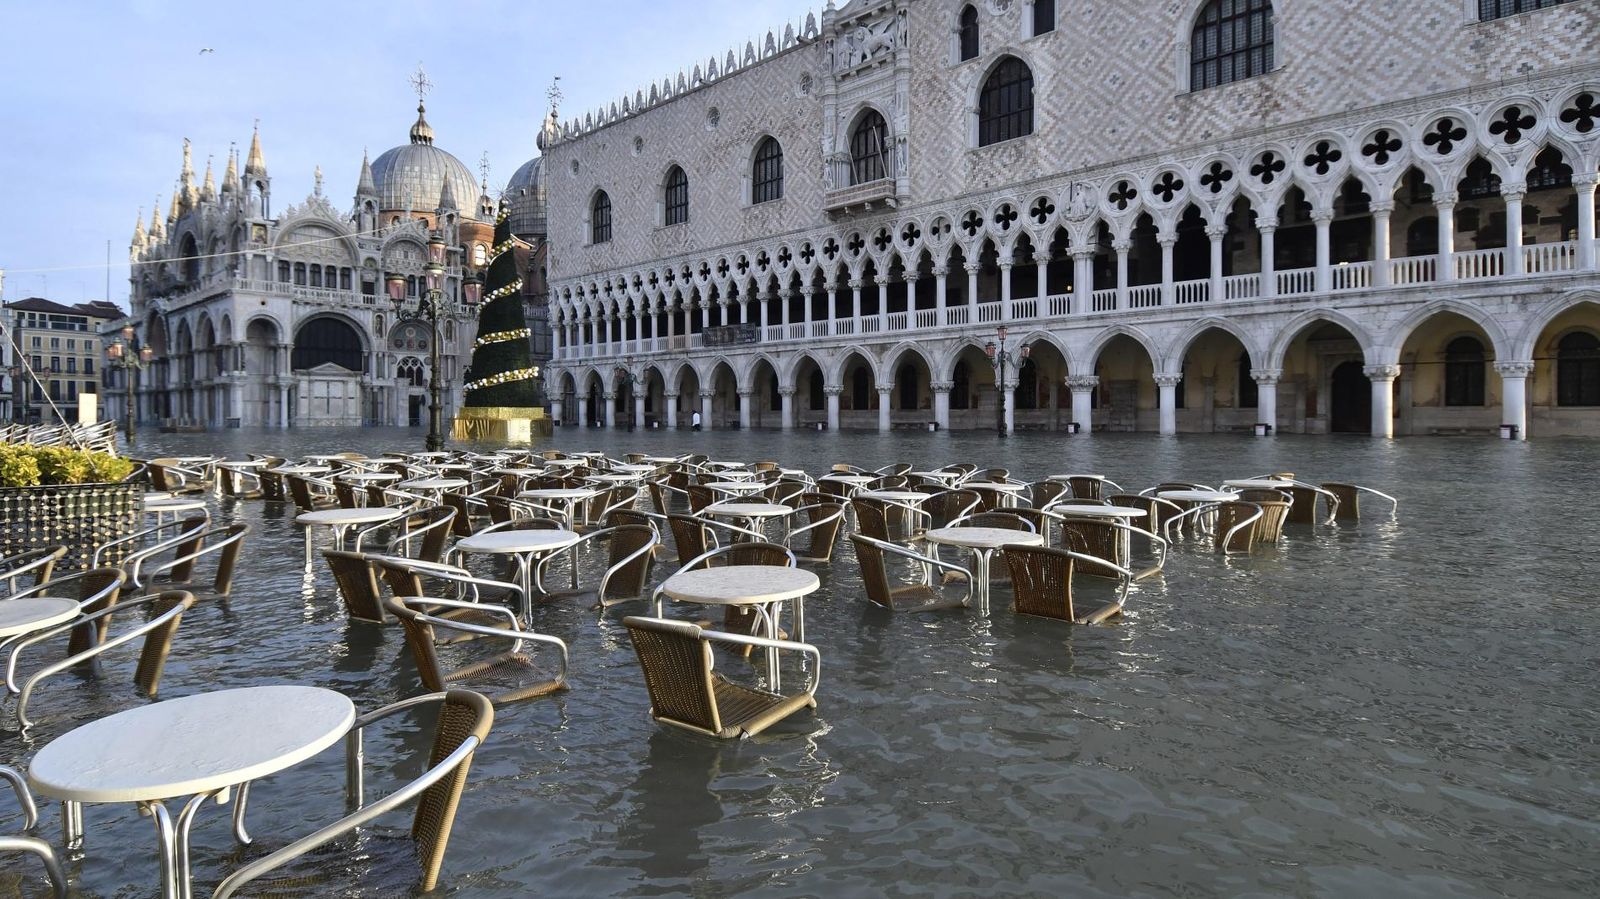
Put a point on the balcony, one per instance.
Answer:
(1535, 261)
(845, 193)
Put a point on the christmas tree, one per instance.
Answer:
(501, 373)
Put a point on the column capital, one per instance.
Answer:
(747, 392)
(670, 394)
(1167, 379)
(1514, 369)
(706, 397)
(941, 386)
(832, 389)
(940, 271)
(1584, 182)
(1122, 245)
(1322, 217)
(1216, 232)
(609, 395)
(886, 389)
(1445, 199)
(855, 283)
(785, 294)
(972, 267)
(1513, 193)
(1381, 372)
(1041, 258)
(881, 280)
(1086, 252)
(1005, 265)
(1166, 238)
(1083, 383)
(786, 391)
(830, 286)
(1266, 375)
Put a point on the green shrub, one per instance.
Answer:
(32, 466)
(18, 468)
(105, 468)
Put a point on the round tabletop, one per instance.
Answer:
(724, 464)
(747, 510)
(1087, 510)
(1197, 496)
(615, 478)
(590, 454)
(735, 474)
(736, 486)
(896, 496)
(327, 457)
(734, 585)
(19, 616)
(854, 480)
(998, 486)
(434, 484)
(172, 504)
(367, 515)
(565, 463)
(517, 541)
(636, 469)
(945, 476)
(520, 472)
(1258, 484)
(432, 454)
(301, 469)
(559, 493)
(1068, 477)
(984, 538)
(661, 460)
(193, 744)
(370, 477)
(245, 463)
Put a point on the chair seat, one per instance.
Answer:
(920, 598)
(507, 668)
(472, 616)
(1143, 573)
(747, 711)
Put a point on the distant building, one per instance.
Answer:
(1199, 215)
(56, 355)
(286, 317)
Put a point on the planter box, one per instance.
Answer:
(77, 516)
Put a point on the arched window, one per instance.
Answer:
(967, 33)
(1005, 107)
(411, 371)
(600, 218)
(1578, 370)
(316, 275)
(1232, 41)
(1044, 17)
(676, 196)
(1499, 9)
(300, 273)
(283, 272)
(323, 340)
(1463, 372)
(1249, 390)
(480, 255)
(766, 178)
(869, 149)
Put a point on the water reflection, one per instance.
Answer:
(1384, 707)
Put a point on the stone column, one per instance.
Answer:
(670, 399)
(555, 409)
(885, 422)
(832, 392)
(1122, 247)
(747, 398)
(1584, 184)
(763, 302)
(1083, 387)
(941, 403)
(283, 407)
(1167, 240)
(1513, 196)
(941, 285)
(1216, 233)
(1324, 223)
(705, 410)
(911, 300)
(1083, 279)
(638, 406)
(972, 293)
(832, 290)
(1041, 264)
(1268, 229)
(1167, 384)
(1445, 204)
(785, 297)
(1267, 396)
(555, 340)
(808, 297)
(1381, 211)
(610, 401)
(855, 303)
(883, 302)
(1005, 291)
(1514, 395)
(1382, 377)
(1008, 398)
(786, 422)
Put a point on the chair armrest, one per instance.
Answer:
(769, 643)
(19, 785)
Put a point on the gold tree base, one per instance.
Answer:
(503, 424)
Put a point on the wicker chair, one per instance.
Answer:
(409, 577)
(630, 557)
(895, 469)
(691, 536)
(37, 564)
(356, 576)
(464, 721)
(95, 590)
(1009, 520)
(28, 844)
(887, 482)
(1108, 542)
(990, 474)
(1349, 500)
(180, 572)
(304, 499)
(511, 671)
(1157, 510)
(1237, 528)
(171, 476)
(1303, 502)
(786, 493)
(885, 520)
(1088, 488)
(1044, 494)
(158, 630)
(1042, 579)
(918, 597)
(699, 497)
(685, 692)
(422, 534)
(820, 532)
(239, 483)
(949, 505)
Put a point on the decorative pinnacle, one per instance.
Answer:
(420, 83)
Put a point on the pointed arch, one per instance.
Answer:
(1291, 330)
(1401, 331)
(1091, 354)
(1179, 348)
(1547, 312)
(842, 361)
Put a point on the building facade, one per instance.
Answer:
(56, 356)
(305, 316)
(1319, 215)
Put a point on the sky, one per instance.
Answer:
(98, 97)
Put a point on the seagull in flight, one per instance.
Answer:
(206, 50)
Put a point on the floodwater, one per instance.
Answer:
(1399, 707)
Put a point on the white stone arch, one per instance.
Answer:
(1552, 139)
(1178, 349)
(1044, 335)
(834, 373)
(1291, 329)
(1547, 312)
(892, 358)
(792, 372)
(588, 377)
(340, 230)
(225, 328)
(1500, 341)
(1097, 345)
(707, 370)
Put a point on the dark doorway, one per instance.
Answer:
(414, 413)
(1350, 410)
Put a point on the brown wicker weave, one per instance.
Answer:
(511, 670)
(1042, 579)
(1085, 488)
(685, 692)
(823, 521)
(357, 579)
(900, 598)
(1349, 500)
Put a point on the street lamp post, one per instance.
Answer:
(125, 355)
(432, 305)
(1001, 357)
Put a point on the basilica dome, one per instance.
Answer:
(526, 198)
(413, 176)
